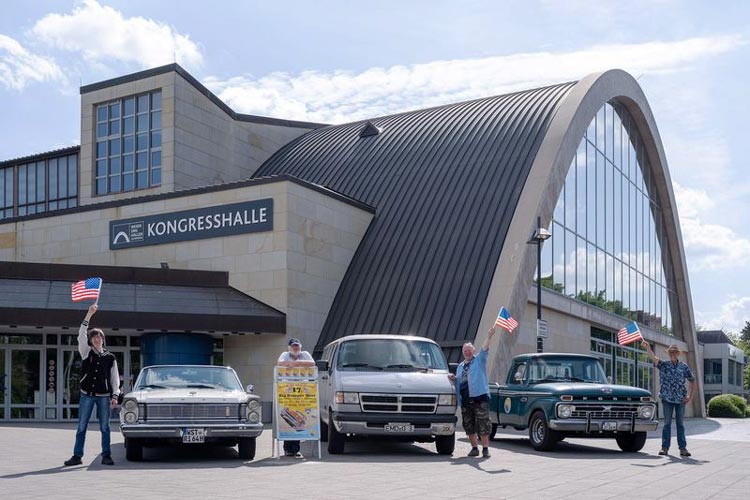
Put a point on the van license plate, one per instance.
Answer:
(609, 426)
(193, 435)
(399, 428)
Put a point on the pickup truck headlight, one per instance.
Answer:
(565, 411)
(347, 398)
(447, 400)
(646, 412)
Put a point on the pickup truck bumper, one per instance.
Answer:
(582, 425)
(174, 430)
(437, 424)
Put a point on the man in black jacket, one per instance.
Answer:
(100, 382)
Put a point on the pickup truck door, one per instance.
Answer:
(513, 396)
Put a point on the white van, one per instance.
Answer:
(386, 386)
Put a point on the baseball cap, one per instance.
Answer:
(293, 341)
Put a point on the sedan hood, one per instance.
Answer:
(400, 382)
(188, 395)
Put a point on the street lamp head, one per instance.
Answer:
(541, 234)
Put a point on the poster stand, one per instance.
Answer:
(296, 406)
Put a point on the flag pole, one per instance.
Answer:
(101, 284)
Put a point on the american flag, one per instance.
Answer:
(629, 334)
(504, 320)
(86, 289)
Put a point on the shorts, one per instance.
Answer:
(476, 417)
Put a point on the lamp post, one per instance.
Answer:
(540, 234)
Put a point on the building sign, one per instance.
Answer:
(212, 222)
(541, 328)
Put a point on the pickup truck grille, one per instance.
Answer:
(188, 412)
(398, 403)
(605, 411)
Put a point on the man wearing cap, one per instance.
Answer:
(295, 356)
(674, 396)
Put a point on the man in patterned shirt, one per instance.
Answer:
(674, 396)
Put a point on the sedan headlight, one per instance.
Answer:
(646, 412)
(347, 398)
(130, 405)
(565, 411)
(447, 400)
(130, 417)
(253, 405)
(253, 417)
(253, 411)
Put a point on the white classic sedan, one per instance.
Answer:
(190, 404)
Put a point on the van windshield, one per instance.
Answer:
(390, 354)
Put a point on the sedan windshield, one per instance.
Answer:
(198, 377)
(566, 369)
(390, 354)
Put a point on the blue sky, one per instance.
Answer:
(340, 61)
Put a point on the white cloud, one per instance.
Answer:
(102, 34)
(19, 66)
(341, 96)
(731, 316)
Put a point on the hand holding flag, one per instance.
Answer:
(629, 334)
(86, 289)
(505, 320)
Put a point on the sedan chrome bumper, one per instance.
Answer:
(174, 430)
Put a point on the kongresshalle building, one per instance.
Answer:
(219, 235)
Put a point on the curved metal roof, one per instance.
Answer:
(444, 182)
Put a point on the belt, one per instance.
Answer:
(94, 395)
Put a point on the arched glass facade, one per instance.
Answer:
(607, 229)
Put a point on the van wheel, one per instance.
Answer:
(336, 440)
(246, 447)
(541, 436)
(493, 432)
(445, 444)
(133, 450)
(323, 431)
(631, 442)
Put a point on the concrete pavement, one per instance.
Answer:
(31, 456)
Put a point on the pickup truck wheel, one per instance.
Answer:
(541, 436)
(493, 432)
(133, 450)
(336, 440)
(445, 444)
(246, 447)
(323, 431)
(631, 442)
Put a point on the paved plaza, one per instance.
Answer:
(31, 456)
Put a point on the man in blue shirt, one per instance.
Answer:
(474, 395)
(674, 396)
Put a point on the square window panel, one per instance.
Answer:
(142, 103)
(156, 100)
(114, 127)
(127, 182)
(142, 142)
(155, 176)
(114, 147)
(129, 106)
(156, 158)
(101, 149)
(141, 161)
(114, 165)
(128, 125)
(101, 168)
(114, 184)
(101, 186)
(156, 120)
(128, 143)
(156, 139)
(143, 123)
(142, 178)
(114, 110)
(101, 129)
(101, 113)
(127, 163)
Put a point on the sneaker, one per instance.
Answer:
(74, 460)
(298, 455)
(664, 451)
(474, 452)
(107, 460)
(685, 453)
(485, 453)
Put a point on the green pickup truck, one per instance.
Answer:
(556, 396)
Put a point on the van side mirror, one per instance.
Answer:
(452, 367)
(322, 365)
(249, 389)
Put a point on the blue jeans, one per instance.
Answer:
(666, 432)
(85, 407)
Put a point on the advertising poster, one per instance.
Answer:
(297, 417)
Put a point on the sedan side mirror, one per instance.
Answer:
(322, 365)
(249, 388)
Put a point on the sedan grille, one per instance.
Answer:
(398, 403)
(187, 411)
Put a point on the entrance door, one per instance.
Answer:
(26, 394)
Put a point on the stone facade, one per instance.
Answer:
(295, 268)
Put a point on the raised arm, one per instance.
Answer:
(653, 357)
(490, 334)
(83, 341)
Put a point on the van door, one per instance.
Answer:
(326, 378)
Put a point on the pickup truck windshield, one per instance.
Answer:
(564, 369)
(196, 377)
(391, 355)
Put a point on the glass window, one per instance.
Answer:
(132, 124)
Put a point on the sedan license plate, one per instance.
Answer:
(399, 428)
(609, 426)
(193, 435)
